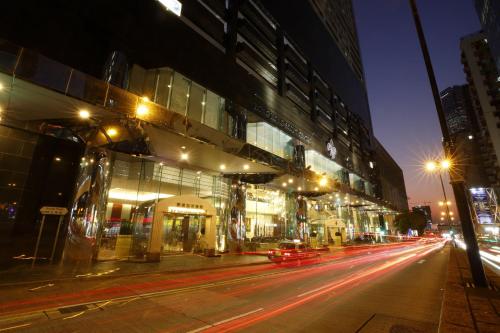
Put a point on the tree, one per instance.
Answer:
(410, 220)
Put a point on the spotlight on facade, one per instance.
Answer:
(84, 114)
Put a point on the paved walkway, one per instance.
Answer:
(466, 309)
(23, 274)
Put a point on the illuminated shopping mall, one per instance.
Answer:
(247, 139)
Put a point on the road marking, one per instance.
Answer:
(225, 321)
(75, 315)
(312, 291)
(40, 287)
(421, 261)
(14, 327)
(130, 300)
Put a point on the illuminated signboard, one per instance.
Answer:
(186, 210)
(482, 205)
(172, 5)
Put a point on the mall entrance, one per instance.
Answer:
(183, 233)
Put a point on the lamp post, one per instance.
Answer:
(444, 165)
(456, 180)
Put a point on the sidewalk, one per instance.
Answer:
(23, 274)
(466, 309)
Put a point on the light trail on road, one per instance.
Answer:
(204, 294)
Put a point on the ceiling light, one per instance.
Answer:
(290, 180)
(184, 156)
(284, 184)
(299, 188)
(246, 167)
(222, 167)
(323, 181)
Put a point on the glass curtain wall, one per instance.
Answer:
(265, 214)
(136, 186)
(183, 96)
(322, 164)
(271, 139)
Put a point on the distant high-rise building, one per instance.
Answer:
(457, 106)
(482, 77)
(464, 130)
(489, 15)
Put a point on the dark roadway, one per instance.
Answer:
(396, 289)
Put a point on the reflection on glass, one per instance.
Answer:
(322, 164)
(270, 139)
(180, 94)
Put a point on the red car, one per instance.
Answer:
(287, 251)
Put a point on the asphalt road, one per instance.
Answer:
(384, 290)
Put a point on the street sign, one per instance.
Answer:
(46, 210)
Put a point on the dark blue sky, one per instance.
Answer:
(402, 107)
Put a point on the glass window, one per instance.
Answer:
(213, 106)
(322, 164)
(269, 138)
(196, 102)
(180, 94)
(164, 84)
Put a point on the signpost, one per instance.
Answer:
(47, 210)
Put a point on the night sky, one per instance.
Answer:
(402, 107)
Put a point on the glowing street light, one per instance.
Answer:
(430, 166)
(445, 164)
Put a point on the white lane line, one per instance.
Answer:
(421, 261)
(74, 316)
(238, 316)
(40, 287)
(312, 291)
(14, 327)
(225, 321)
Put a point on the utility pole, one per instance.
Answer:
(456, 180)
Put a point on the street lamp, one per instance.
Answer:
(457, 182)
(437, 167)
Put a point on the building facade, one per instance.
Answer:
(480, 142)
(489, 16)
(206, 127)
